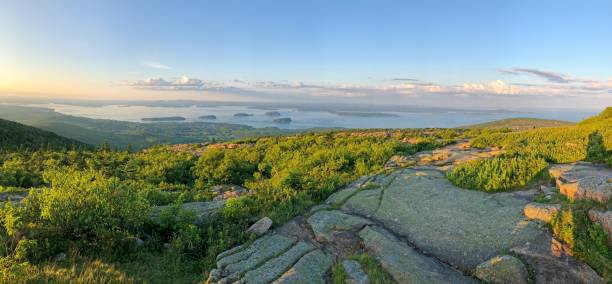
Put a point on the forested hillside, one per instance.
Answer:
(137, 135)
(14, 136)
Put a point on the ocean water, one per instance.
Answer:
(314, 118)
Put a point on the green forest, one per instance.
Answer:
(135, 135)
(87, 208)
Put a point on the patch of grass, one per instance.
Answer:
(149, 267)
(587, 239)
(339, 276)
(370, 266)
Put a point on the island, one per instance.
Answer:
(167, 118)
(273, 113)
(208, 117)
(242, 114)
(282, 120)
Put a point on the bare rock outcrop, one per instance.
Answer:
(553, 266)
(420, 228)
(504, 269)
(542, 212)
(260, 227)
(583, 180)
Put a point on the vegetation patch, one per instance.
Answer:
(497, 174)
(370, 266)
(587, 240)
(94, 202)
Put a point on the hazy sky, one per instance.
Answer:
(447, 53)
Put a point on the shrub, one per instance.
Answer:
(497, 174)
(81, 210)
(587, 240)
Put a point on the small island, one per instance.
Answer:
(242, 114)
(208, 117)
(283, 120)
(167, 118)
(273, 113)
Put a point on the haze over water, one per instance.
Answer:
(301, 118)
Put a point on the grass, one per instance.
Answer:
(587, 240)
(370, 266)
(146, 267)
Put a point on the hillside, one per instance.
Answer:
(14, 136)
(122, 133)
(517, 124)
(604, 117)
(399, 204)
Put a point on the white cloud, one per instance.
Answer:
(498, 87)
(156, 65)
(384, 90)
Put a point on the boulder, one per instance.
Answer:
(272, 269)
(403, 263)
(541, 211)
(202, 211)
(311, 268)
(364, 203)
(13, 197)
(325, 224)
(138, 242)
(398, 161)
(503, 269)
(453, 155)
(550, 266)
(231, 267)
(355, 274)
(583, 180)
(260, 227)
(60, 257)
(340, 196)
(227, 191)
(604, 219)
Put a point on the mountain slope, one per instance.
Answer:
(123, 133)
(14, 135)
(521, 123)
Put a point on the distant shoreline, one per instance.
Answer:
(167, 118)
(364, 114)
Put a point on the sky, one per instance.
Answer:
(444, 53)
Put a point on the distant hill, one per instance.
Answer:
(15, 135)
(519, 124)
(123, 133)
(603, 117)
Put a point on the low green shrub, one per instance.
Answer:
(81, 210)
(587, 240)
(497, 174)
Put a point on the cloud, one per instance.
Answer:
(284, 89)
(181, 83)
(405, 79)
(548, 75)
(156, 65)
(498, 87)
